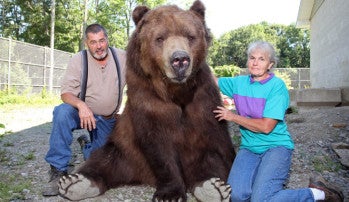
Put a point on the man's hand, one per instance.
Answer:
(87, 120)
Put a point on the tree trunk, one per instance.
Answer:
(83, 27)
(52, 43)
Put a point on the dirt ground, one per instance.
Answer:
(22, 152)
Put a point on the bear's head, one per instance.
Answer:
(168, 42)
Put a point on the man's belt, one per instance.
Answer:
(111, 116)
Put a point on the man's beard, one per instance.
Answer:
(100, 57)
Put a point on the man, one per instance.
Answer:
(96, 113)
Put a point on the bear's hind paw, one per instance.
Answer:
(77, 187)
(213, 190)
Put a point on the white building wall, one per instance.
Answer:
(329, 39)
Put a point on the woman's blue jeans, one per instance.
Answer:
(65, 121)
(261, 177)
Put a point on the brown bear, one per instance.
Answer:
(167, 136)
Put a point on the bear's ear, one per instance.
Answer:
(138, 13)
(199, 8)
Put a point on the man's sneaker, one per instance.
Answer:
(52, 188)
(83, 140)
(332, 193)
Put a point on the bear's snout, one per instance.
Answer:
(180, 62)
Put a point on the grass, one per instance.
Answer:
(8, 144)
(12, 100)
(236, 140)
(4, 156)
(13, 187)
(28, 157)
(325, 163)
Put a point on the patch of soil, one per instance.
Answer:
(314, 129)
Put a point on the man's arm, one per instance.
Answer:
(87, 120)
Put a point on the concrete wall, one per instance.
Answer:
(329, 39)
(320, 97)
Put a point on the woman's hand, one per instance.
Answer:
(222, 113)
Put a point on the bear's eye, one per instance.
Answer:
(191, 38)
(159, 39)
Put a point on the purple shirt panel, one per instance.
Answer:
(249, 107)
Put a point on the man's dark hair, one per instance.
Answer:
(95, 28)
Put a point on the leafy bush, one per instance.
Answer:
(231, 70)
(285, 77)
(226, 71)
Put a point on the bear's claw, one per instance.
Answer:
(77, 187)
(213, 190)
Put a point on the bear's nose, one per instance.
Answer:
(180, 62)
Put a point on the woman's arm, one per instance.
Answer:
(259, 125)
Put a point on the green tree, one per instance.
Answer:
(117, 18)
(291, 43)
(36, 20)
(29, 20)
(11, 19)
(68, 26)
(230, 49)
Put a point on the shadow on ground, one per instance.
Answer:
(24, 171)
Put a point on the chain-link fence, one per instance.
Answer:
(299, 78)
(26, 67)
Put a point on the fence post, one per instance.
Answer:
(9, 65)
(45, 67)
(299, 78)
(51, 70)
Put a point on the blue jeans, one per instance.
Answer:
(65, 121)
(261, 177)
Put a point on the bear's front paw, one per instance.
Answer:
(77, 187)
(173, 194)
(213, 190)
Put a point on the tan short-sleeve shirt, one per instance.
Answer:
(102, 83)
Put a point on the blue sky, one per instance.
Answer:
(225, 15)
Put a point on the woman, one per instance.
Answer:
(263, 162)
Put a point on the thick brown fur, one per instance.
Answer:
(167, 135)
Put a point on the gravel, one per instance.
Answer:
(22, 152)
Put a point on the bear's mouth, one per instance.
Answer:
(180, 62)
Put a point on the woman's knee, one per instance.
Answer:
(242, 195)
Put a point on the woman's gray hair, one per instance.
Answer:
(265, 47)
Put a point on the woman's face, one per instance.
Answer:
(259, 64)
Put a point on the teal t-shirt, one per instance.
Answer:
(257, 99)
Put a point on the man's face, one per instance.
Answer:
(97, 44)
